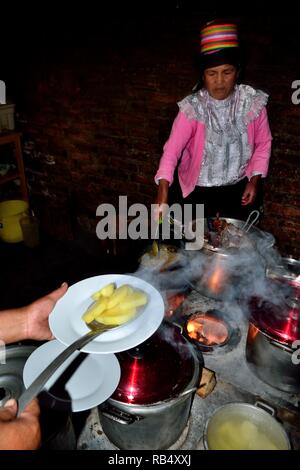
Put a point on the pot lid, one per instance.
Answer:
(281, 322)
(156, 370)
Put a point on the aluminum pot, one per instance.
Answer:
(273, 361)
(242, 426)
(222, 267)
(150, 408)
(274, 331)
(56, 427)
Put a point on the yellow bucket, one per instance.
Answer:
(10, 214)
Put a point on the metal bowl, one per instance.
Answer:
(261, 239)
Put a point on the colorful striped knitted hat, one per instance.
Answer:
(218, 36)
(219, 44)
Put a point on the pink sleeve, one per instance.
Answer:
(259, 162)
(181, 132)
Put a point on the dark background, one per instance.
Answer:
(95, 89)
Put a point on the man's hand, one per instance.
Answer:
(22, 432)
(250, 192)
(30, 322)
(38, 312)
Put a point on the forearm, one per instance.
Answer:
(163, 192)
(255, 180)
(13, 325)
(164, 185)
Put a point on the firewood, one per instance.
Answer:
(207, 383)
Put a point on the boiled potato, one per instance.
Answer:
(226, 437)
(106, 291)
(115, 306)
(131, 300)
(263, 443)
(96, 309)
(117, 318)
(119, 295)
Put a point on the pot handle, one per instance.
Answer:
(283, 347)
(264, 406)
(187, 392)
(119, 416)
(177, 325)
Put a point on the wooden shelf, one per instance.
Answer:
(15, 138)
(9, 177)
(8, 137)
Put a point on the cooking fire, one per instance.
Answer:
(207, 329)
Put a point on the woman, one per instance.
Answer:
(220, 137)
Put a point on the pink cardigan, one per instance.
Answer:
(187, 140)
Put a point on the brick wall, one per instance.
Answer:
(96, 103)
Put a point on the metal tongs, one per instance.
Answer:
(155, 247)
(247, 225)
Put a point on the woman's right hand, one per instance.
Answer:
(162, 198)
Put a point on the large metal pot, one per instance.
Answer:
(12, 362)
(222, 267)
(272, 361)
(274, 330)
(273, 334)
(151, 406)
(242, 426)
(56, 427)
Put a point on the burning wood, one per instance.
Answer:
(207, 330)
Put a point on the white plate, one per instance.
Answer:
(93, 382)
(67, 325)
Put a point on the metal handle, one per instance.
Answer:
(283, 347)
(247, 227)
(264, 406)
(177, 325)
(38, 384)
(118, 416)
(187, 392)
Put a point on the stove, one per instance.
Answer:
(235, 382)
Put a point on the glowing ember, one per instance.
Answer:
(173, 302)
(207, 330)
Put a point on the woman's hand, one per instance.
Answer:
(22, 432)
(38, 313)
(250, 192)
(162, 198)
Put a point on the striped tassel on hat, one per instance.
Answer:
(216, 37)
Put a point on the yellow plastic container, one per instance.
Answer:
(10, 214)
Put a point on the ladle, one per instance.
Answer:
(38, 384)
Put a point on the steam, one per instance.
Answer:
(243, 269)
